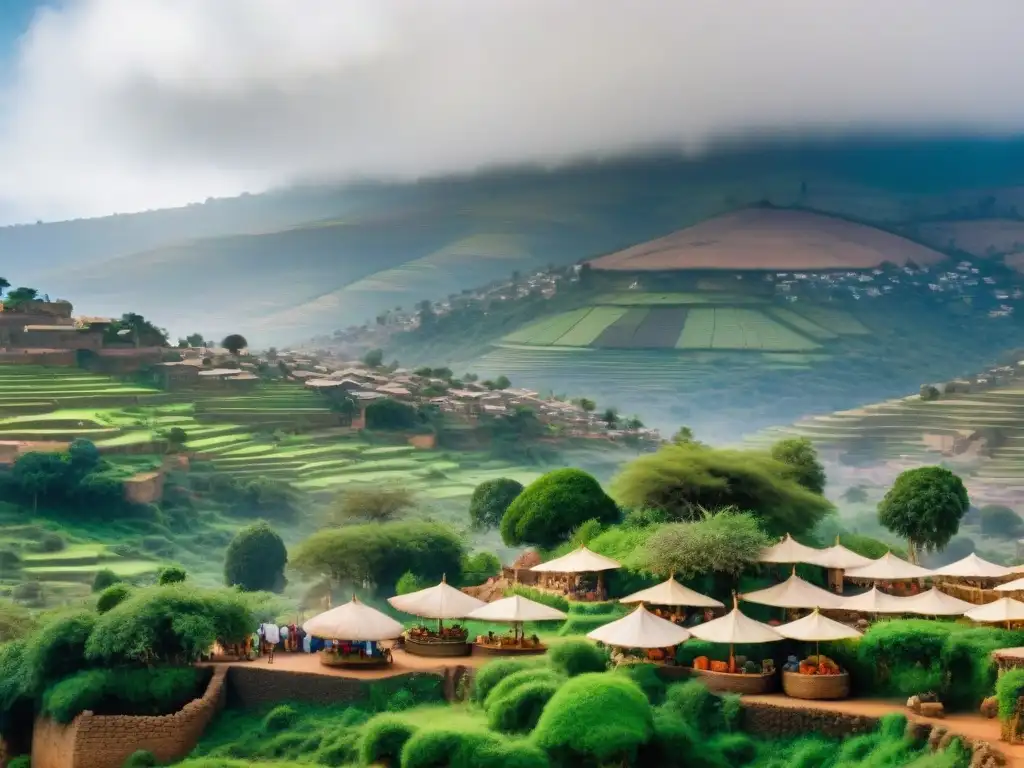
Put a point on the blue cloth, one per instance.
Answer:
(307, 642)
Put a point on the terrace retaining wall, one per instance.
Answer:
(106, 741)
(64, 358)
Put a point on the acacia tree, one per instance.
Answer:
(372, 504)
(924, 506)
(798, 453)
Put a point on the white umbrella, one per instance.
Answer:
(734, 628)
(580, 561)
(936, 603)
(874, 601)
(972, 567)
(889, 568)
(671, 592)
(1017, 585)
(353, 621)
(817, 629)
(640, 629)
(840, 558)
(439, 602)
(515, 610)
(1004, 609)
(789, 551)
(794, 592)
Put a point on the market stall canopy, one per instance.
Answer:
(889, 568)
(440, 602)
(353, 621)
(734, 627)
(794, 592)
(840, 558)
(671, 592)
(789, 551)
(874, 601)
(936, 603)
(640, 629)
(580, 561)
(972, 567)
(516, 609)
(816, 628)
(1017, 585)
(1003, 609)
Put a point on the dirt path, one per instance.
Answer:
(971, 726)
(404, 663)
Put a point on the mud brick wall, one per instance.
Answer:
(255, 686)
(771, 721)
(106, 741)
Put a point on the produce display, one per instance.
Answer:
(812, 665)
(741, 665)
(452, 634)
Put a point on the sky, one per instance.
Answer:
(122, 105)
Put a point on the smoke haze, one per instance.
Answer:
(121, 106)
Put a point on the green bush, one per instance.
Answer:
(58, 649)
(408, 583)
(508, 684)
(113, 595)
(1009, 688)
(552, 601)
(450, 748)
(493, 672)
(648, 678)
(172, 574)
(581, 625)
(594, 609)
(140, 758)
(158, 691)
(595, 719)
(17, 709)
(575, 657)
(21, 761)
(695, 704)
(675, 744)
(382, 740)
(279, 718)
(553, 505)
(735, 748)
(519, 710)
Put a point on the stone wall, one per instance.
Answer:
(773, 721)
(55, 357)
(106, 741)
(255, 686)
(144, 488)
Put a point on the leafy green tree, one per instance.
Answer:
(685, 481)
(798, 453)
(113, 595)
(723, 544)
(19, 296)
(390, 414)
(684, 436)
(997, 520)
(84, 455)
(490, 500)
(137, 329)
(587, 405)
(40, 475)
(234, 343)
(57, 649)
(372, 504)
(478, 568)
(610, 417)
(552, 506)
(172, 574)
(381, 553)
(409, 582)
(4, 285)
(374, 358)
(924, 506)
(195, 340)
(256, 559)
(104, 578)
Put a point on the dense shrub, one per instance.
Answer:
(58, 649)
(450, 748)
(172, 574)
(113, 595)
(390, 414)
(140, 758)
(478, 568)
(1009, 688)
(695, 704)
(575, 657)
(595, 719)
(157, 691)
(508, 684)
(490, 500)
(648, 678)
(169, 624)
(553, 601)
(16, 704)
(519, 710)
(255, 560)
(279, 718)
(495, 671)
(382, 740)
(997, 520)
(103, 579)
(605, 609)
(553, 505)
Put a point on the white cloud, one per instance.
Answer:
(117, 105)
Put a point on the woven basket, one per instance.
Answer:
(728, 682)
(437, 648)
(353, 662)
(480, 649)
(800, 686)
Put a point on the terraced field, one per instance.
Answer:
(37, 389)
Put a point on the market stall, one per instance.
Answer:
(789, 551)
(729, 630)
(936, 603)
(893, 574)
(440, 602)
(672, 595)
(515, 610)
(641, 629)
(970, 578)
(874, 602)
(1005, 610)
(567, 575)
(358, 635)
(816, 677)
(792, 594)
(837, 559)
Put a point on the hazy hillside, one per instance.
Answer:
(284, 266)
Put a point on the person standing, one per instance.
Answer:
(271, 638)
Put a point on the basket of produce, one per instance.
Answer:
(449, 642)
(816, 677)
(743, 677)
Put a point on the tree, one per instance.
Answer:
(685, 481)
(490, 500)
(587, 405)
(4, 285)
(409, 582)
(234, 343)
(112, 596)
(798, 453)
(373, 504)
(374, 358)
(610, 417)
(684, 436)
(502, 382)
(855, 494)
(104, 578)
(176, 439)
(19, 296)
(552, 506)
(390, 414)
(924, 506)
(997, 520)
(172, 574)
(195, 340)
(478, 568)
(255, 560)
(84, 456)
(137, 329)
(724, 544)
(929, 392)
